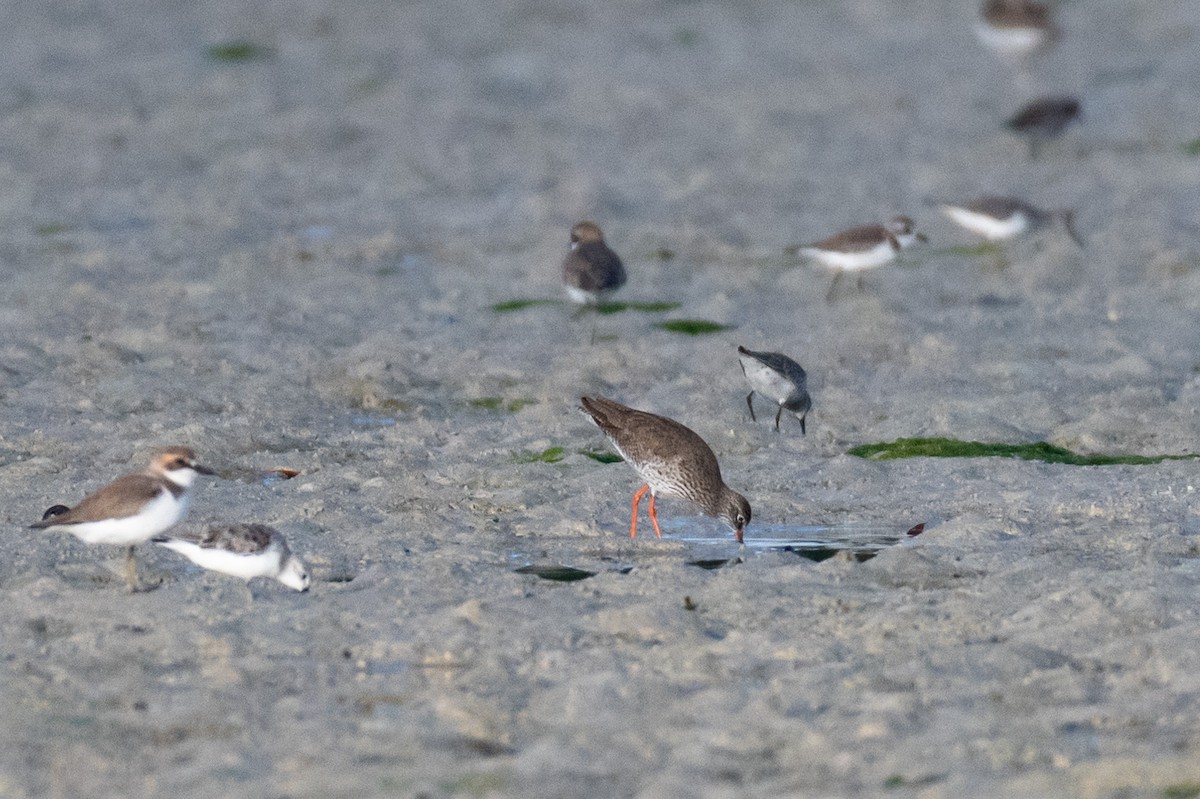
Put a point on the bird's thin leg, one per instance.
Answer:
(862, 282)
(750, 405)
(1067, 217)
(131, 577)
(654, 517)
(837, 276)
(777, 413)
(136, 586)
(803, 432)
(636, 499)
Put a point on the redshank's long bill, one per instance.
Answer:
(673, 461)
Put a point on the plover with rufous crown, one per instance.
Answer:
(591, 271)
(780, 379)
(1044, 118)
(132, 509)
(864, 247)
(671, 459)
(241, 550)
(1016, 29)
(1004, 218)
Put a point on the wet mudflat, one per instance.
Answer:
(314, 238)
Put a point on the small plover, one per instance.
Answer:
(780, 379)
(1016, 29)
(591, 271)
(1044, 118)
(133, 508)
(671, 459)
(862, 248)
(242, 550)
(1004, 218)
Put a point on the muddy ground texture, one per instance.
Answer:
(285, 252)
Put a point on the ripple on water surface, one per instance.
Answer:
(711, 547)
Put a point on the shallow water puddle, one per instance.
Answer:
(711, 547)
(711, 550)
(560, 572)
(371, 420)
(712, 564)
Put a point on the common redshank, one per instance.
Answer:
(673, 461)
(780, 379)
(591, 271)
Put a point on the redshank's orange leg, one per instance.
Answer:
(636, 499)
(654, 517)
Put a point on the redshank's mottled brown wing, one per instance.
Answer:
(644, 436)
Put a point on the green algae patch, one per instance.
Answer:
(1192, 148)
(520, 305)
(604, 308)
(692, 327)
(607, 308)
(481, 784)
(559, 574)
(238, 51)
(897, 781)
(1182, 790)
(600, 456)
(975, 250)
(1038, 451)
(549, 455)
(500, 404)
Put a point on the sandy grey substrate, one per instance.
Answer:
(290, 262)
